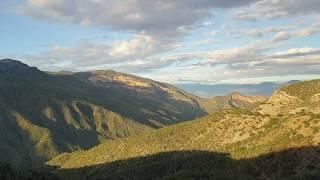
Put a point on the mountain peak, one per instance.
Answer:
(235, 94)
(11, 62)
(14, 66)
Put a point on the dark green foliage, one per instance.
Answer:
(9, 173)
(294, 163)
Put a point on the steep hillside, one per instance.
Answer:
(298, 97)
(42, 115)
(230, 144)
(45, 114)
(233, 144)
(159, 104)
(306, 91)
(233, 100)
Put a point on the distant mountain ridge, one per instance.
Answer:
(103, 125)
(208, 91)
(230, 144)
(13, 66)
(230, 101)
(44, 114)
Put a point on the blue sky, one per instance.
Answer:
(205, 41)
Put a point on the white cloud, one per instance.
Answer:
(92, 55)
(281, 36)
(297, 51)
(256, 33)
(156, 27)
(273, 9)
(252, 62)
(160, 16)
(307, 32)
(140, 46)
(243, 15)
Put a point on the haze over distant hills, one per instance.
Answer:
(207, 90)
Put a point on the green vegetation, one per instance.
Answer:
(104, 125)
(303, 90)
(240, 138)
(43, 115)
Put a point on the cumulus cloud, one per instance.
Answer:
(252, 61)
(88, 54)
(286, 32)
(297, 61)
(131, 15)
(139, 46)
(157, 26)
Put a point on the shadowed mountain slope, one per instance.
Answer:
(44, 114)
(294, 163)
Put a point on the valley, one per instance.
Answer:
(110, 125)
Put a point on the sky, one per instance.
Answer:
(180, 41)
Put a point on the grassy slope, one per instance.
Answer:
(239, 134)
(303, 90)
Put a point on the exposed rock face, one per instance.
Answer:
(281, 97)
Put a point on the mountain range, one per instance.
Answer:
(229, 144)
(112, 125)
(45, 114)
